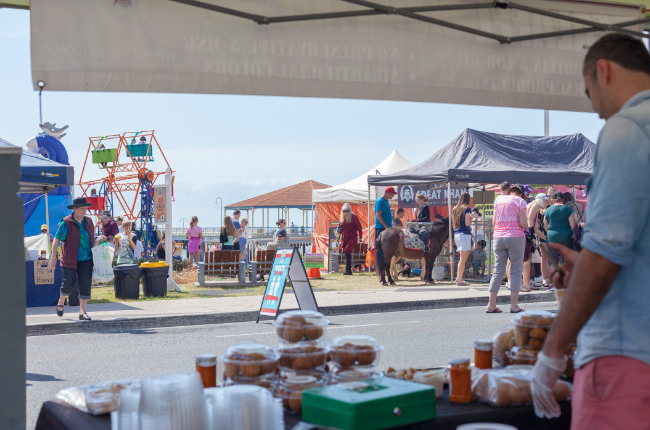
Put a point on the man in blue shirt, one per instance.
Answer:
(608, 296)
(383, 217)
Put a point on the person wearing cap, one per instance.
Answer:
(559, 223)
(607, 299)
(44, 230)
(75, 233)
(109, 228)
(383, 217)
(125, 244)
(351, 234)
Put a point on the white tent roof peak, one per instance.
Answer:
(356, 190)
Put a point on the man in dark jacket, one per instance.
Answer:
(75, 233)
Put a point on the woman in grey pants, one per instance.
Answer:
(509, 243)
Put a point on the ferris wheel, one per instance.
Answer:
(127, 167)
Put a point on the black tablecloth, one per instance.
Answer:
(57, 415)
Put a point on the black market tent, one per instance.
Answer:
(488, 158)
(482, 157)
(39, 174)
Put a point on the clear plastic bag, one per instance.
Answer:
(102, 263)
(96, 399)
(510, 386)
(503, 341)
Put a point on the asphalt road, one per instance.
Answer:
(411, 339)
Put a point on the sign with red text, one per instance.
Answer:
(287, 265)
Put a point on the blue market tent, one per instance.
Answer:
(481, 157)
(39, 175)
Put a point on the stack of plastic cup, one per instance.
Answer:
(128, 416)
(173, 401)
(354, 358)
(253, 408)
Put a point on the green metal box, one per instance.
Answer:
(370, 404)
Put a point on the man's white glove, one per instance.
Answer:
(545, 374)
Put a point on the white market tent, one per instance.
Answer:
(356, 190)
(510, 53)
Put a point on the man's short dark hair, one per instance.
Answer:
(505, 186)
(400, 210)
(622, 49)
(237, 211)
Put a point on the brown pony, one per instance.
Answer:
(391, 243)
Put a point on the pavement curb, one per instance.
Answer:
(128, 324)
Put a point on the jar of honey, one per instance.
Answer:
(206, 365)
(483, 353)
(460, 381)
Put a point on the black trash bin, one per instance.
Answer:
(127, 281)
(154, 281)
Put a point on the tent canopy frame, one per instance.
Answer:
(372, 9)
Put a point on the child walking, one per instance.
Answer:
(194, 234)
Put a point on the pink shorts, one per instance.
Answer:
(611, 392)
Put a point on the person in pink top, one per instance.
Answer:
(194, 234)
(509, 243)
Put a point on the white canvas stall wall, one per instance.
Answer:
(162, 46)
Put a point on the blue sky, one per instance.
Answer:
(237, 147)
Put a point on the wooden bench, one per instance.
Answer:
(264, 261)
(222, 263)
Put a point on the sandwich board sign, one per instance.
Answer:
(287, 265)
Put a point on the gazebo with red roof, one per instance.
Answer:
(297, 196)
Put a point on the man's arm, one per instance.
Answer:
(589, 281)
(381, 219)
(55, 252)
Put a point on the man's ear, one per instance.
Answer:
(603, 71)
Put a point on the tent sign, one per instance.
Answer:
(314, 260)
(160, 204)
(287, 264)
(437, 196)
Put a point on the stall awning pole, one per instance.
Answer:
(47, 221)
(451, 233)
(369, 221)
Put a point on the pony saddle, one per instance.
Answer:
(414, 240)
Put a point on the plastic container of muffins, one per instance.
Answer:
(249, 363)
(298, 326)
(350, 374)
(291, 385)
(531, 328)
(523, 355)
(355, 351)
(304, 356)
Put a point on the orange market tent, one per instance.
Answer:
(328, 201)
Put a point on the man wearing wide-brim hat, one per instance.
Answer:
(75, 233)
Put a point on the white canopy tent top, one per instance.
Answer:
(356, 190)
(516, 53)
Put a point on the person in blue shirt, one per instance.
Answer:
(383, 217)
(607, 302)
